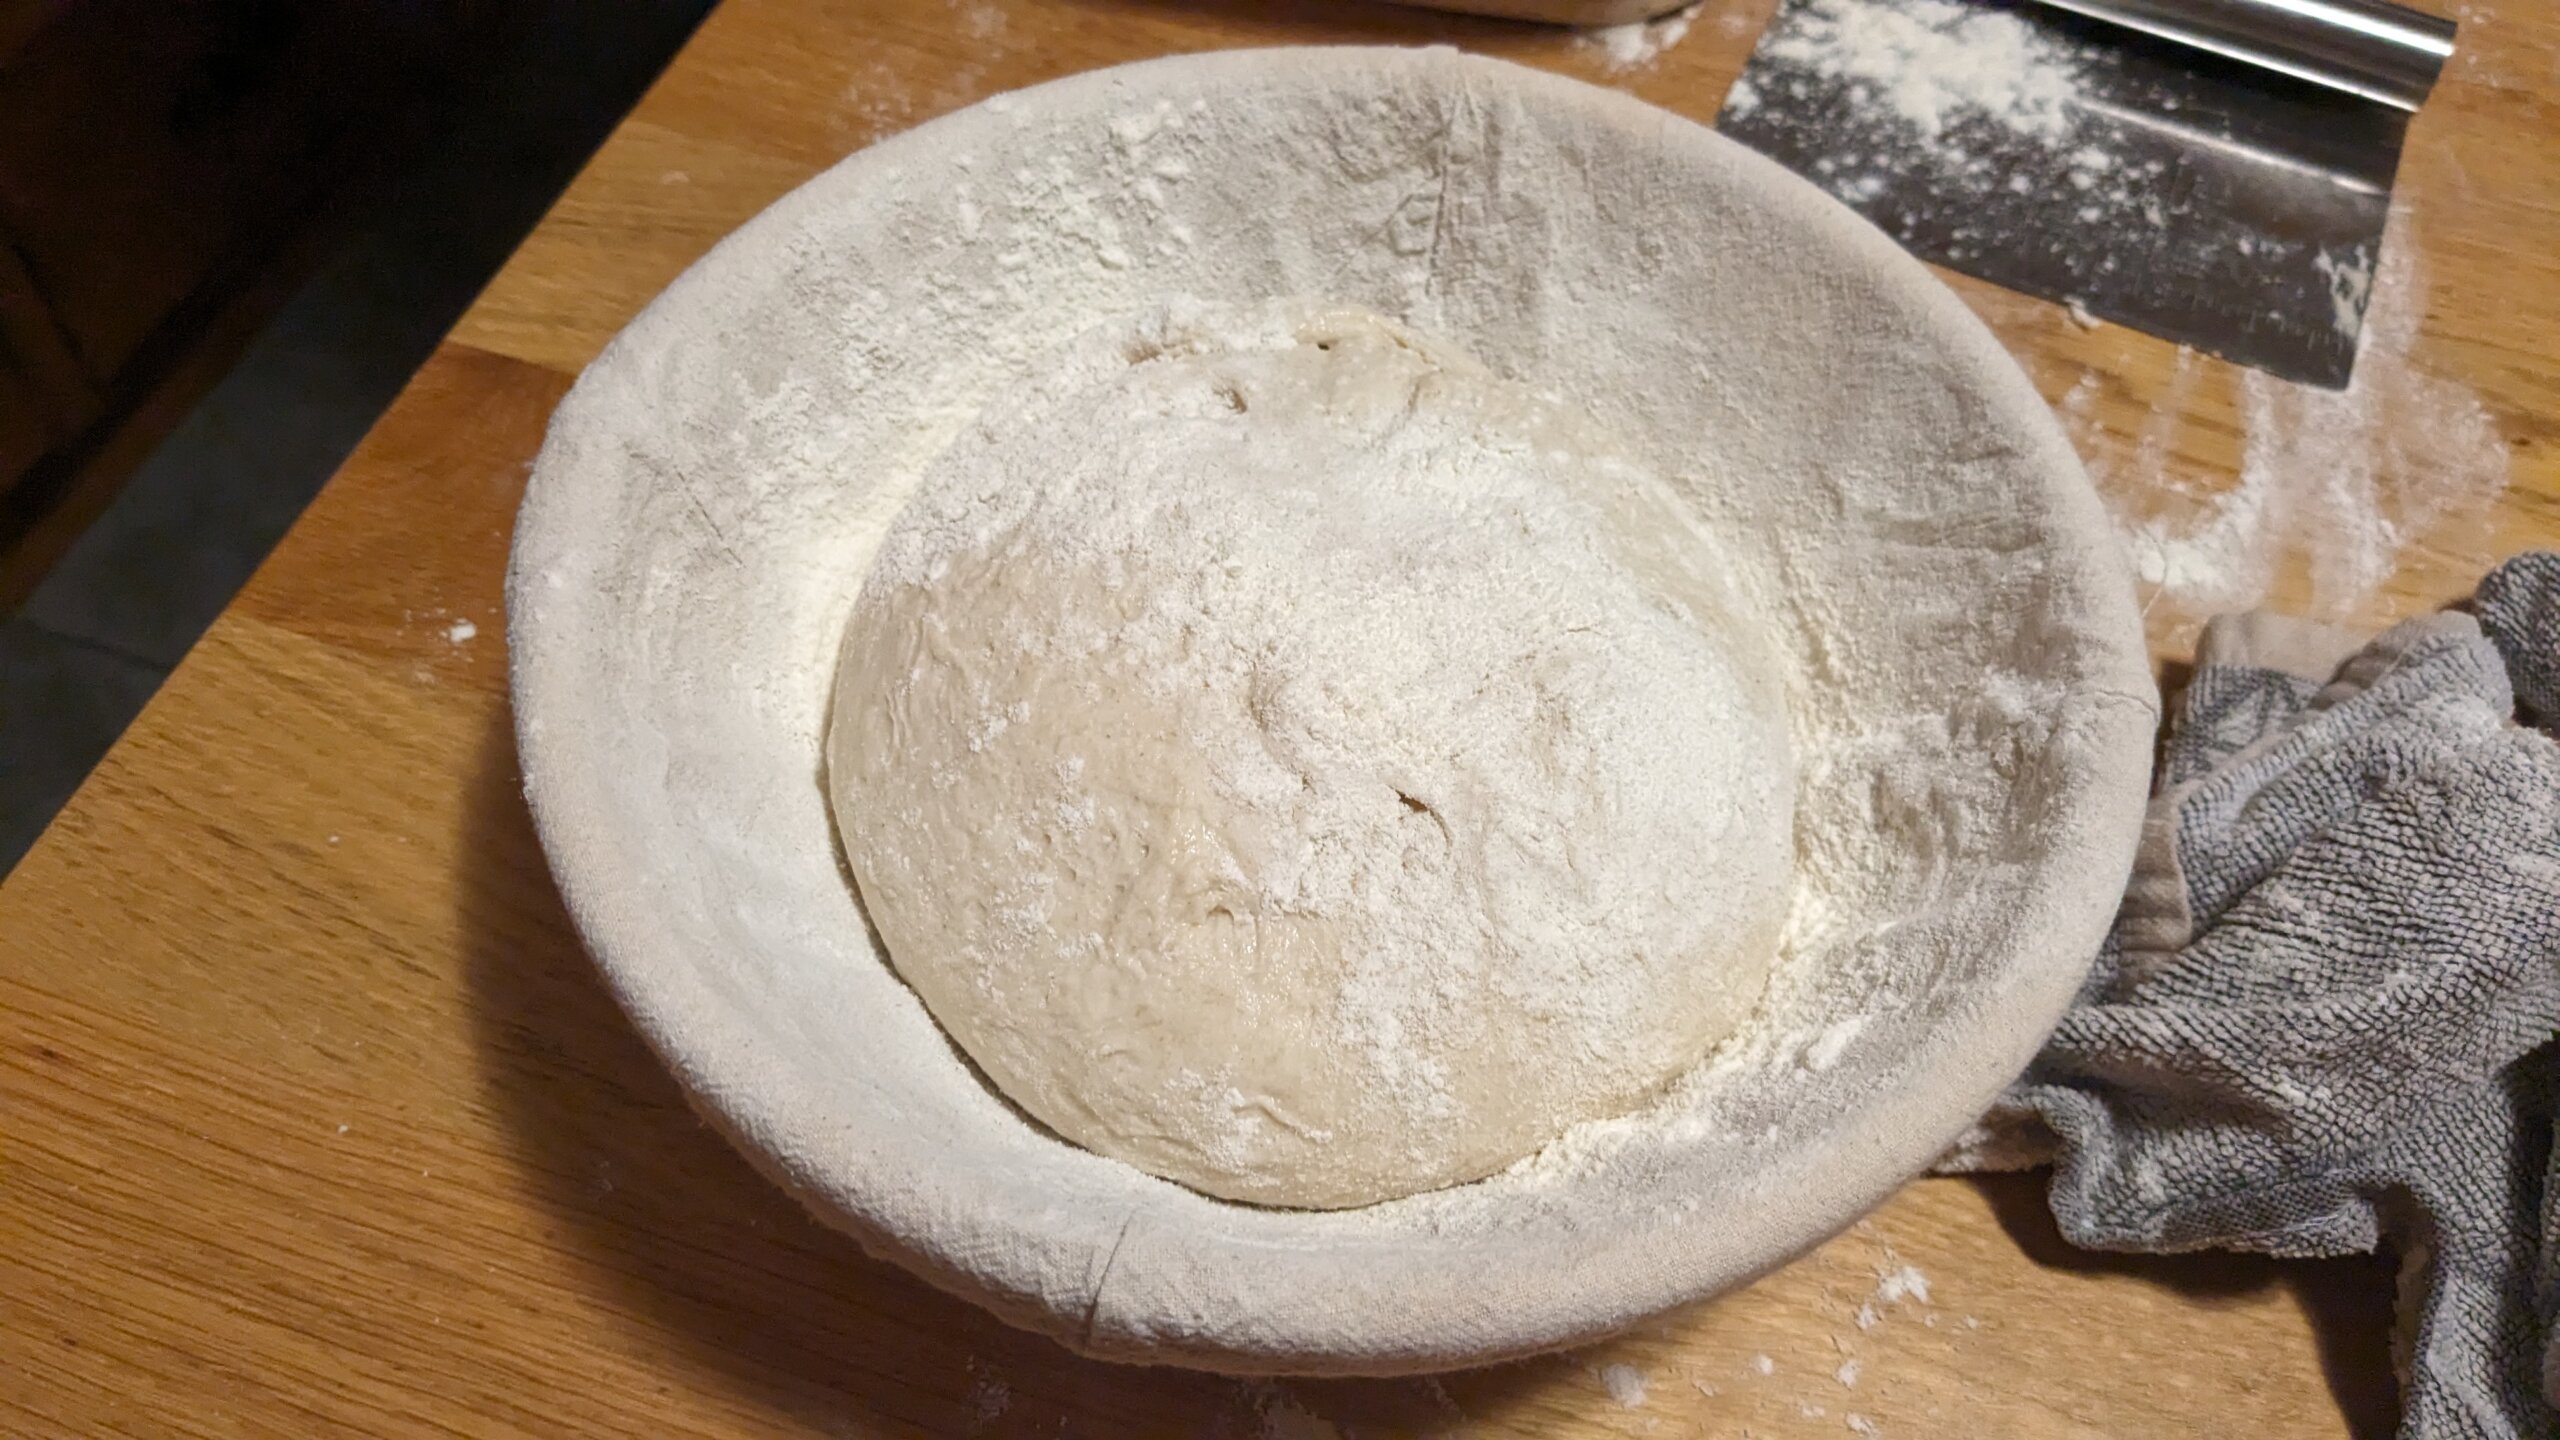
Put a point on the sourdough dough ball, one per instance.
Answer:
(1294, 761)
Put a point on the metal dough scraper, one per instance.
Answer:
(2216, 172)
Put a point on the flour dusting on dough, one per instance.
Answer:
(1429, 801)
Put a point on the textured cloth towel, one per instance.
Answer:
(2322, 1020)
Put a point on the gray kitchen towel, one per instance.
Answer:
(2322, 1021)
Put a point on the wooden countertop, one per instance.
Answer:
(314, 1119)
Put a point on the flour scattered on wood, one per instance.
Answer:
(1639, 43)
(2333, 486)
(989, 1395)
(461, 632)
(1626, 1385)
(1283, 1418)
(1907, 1283)
(880, 101)
(1764, 1364)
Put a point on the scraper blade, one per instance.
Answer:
(2209, 201)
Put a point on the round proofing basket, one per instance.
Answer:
(1973, 708)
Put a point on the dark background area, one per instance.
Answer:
(229, 231)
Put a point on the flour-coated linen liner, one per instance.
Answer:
(1973, 708)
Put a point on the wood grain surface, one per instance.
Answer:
(314, 1120)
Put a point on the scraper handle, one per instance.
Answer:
(2383, 52)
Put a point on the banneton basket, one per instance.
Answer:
(1972, 704)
